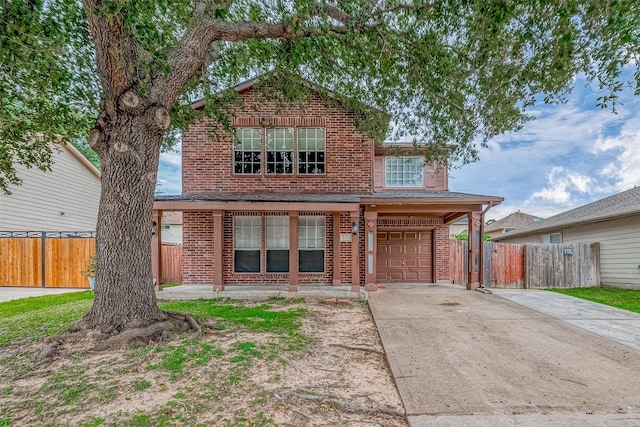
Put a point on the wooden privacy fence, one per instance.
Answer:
(508, 265)
(46, 259)
(562, 265)
(57, 259)
(171, 263)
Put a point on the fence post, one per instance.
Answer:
(43, 246)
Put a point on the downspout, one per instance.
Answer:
(482, 244)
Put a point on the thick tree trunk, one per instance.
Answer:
(129, 149)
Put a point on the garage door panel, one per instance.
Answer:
(404, 256)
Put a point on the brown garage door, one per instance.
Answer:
(404, 257)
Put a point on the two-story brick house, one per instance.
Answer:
(296, 195)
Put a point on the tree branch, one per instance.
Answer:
(114, 49)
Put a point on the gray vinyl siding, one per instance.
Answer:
(533, 238)
(64, 199)
(619, 249)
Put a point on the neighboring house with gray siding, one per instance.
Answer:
(172, 227)
(510, 223)
(63, 199)
(614, 222)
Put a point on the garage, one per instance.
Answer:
(404, 257)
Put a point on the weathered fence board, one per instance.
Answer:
(506, 269)
(561, 265)
(171, 263)
(531, 265)
(458, 261)
(65, 258)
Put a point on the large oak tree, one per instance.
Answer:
(122, 74)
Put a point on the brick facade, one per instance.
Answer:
(350, 156)
(207, 157)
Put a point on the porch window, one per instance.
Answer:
(404, 171)
(311, 151)
(311, 244)
(279, 144)
(246, 244)
(246, 151)
(277, 230)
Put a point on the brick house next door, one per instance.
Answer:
(405, 257)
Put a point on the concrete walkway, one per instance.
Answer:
(618, 325)
(192, 292)
(11, 293)
(466, 358)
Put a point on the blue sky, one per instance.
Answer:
(572, 154)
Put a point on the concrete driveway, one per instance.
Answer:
(466, 358)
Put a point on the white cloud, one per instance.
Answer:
(625, 169)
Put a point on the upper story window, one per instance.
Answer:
(246, 151)
(404, 171)
(311, 151)
(279, 151)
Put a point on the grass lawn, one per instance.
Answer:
(620, 298)
(263, 331)
(247, 368)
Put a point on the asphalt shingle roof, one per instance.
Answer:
(618, 205)
(323, 197)
(514, 220)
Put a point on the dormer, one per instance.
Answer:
(398, 167)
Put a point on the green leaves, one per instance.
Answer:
(449, 74)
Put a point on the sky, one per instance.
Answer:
(570, 155)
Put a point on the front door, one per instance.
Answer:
(404, 257)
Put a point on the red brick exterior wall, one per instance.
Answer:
(197, 247)
(442, 239)
(207, 159)
(207, 167)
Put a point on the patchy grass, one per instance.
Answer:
(625, 299)
(230, 374)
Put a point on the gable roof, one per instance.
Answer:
(515, 220)
(357, 105)
(616, 206)
(82, 159)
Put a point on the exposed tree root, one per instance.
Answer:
(365, 349)
(155, 332)
(47, 355)
(340, 405)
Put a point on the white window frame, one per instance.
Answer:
(316, 144)
(276, 238)
(242, 145)
(247, 239)
(398, 171)
(279, 141)
(312, 236)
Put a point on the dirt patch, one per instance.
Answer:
(333, 373)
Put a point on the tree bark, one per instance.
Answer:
(129, 149)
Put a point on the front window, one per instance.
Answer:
(404, 171)
(277, 230)
(246, 244)
(311, 239)
(246, 151)
(279, 150)
(311, 151)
